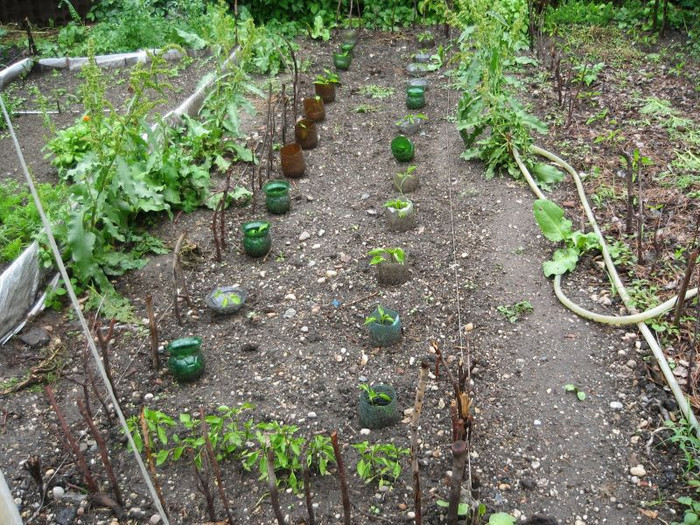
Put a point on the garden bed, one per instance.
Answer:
(298, 349)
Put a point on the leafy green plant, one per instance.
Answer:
(382, 318)
(319, 30)
(425, 36)
(19, 218)
(365, 108)
(258, 230)
(381, 255)
(327, 77)
(226, 298)
(374, 397)
(380, 462)
(398, 204)
(411, 118)
(515, 311)
(557, 228)
(377, 92)
(580, 394)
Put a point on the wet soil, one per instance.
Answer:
(299, 349)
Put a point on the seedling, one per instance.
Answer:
(514, 312)
(259, 230)
(375, 91)
(226, 298)
(328, 77)
(580, 394)
(366, 108)
(411, 118)
(381, 255)
(380, 462)
(381, 318)
(374, 397)
(425, 36)
(400, 205)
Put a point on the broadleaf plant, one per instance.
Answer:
(557, 228)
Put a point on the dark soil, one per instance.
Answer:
(298, 349)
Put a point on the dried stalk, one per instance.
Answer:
(341, 476)
(307, 486)
(105, 342)
(215, 230)
(640, 223)
(629, 174)
(686, 278)
(149, 456)
(417, 408)
(284, 113)
(153, 332)
(459, 456)
(272, 483)
(178, 280)
(215, 467)
(102, 447)
(74, 448)
(203, 485)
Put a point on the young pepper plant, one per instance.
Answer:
(557, 228)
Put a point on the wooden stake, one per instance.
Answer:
(272, 483)
(417, 408)
(153, 332)
(459, 456)
(215, 467)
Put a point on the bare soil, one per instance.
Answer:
(298, 349)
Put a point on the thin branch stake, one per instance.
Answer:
(215, 468)
(459, 456)
(149, 457)
(272, 483)
(153, 332)
(417, 408)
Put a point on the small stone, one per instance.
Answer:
(638, 471)
(155, 519)
(321, 280)
(311, 415)
(304, 329)
(35, 338)
(605, 301)
(631, 363)
(289, 313)
(58, 492)
(309, 198)
(535, 465)
(616, 405)
(148, 397)
(18, 502)
(537, 422)
(304, 236)
(371, 211)
(365, 431)
(321, 233)
(316, 246)
(331, 273)
(290, 297)
(339, 358)
(410, 515)
(365, 196)
(136, 396)
(135, 512)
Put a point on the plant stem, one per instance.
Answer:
(417, 408)
(459, 456)
(149, 456)
(341, 476)
(153, 332)
(215, 467)
(272, 482)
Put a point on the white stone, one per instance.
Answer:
(304, 236)
(331, 273)
(365, 431)
(290, 297)
(58, 492)
(311, 415)
(638, 471)
(155, 519)
(616, 405)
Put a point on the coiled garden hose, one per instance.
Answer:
(636, 317)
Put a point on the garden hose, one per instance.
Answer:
(636, 317)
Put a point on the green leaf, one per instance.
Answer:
(161, 457)
(581, 395)
(550, 218)
(570, 387)
(546, 174)
(564, 260)
(501, 518)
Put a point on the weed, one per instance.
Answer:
(514, 312)
(376, 92)
(580, 394)
(365, 108)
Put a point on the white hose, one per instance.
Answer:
(636, 317)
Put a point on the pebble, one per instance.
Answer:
(316, 246)
(311, 415)
(309, 198)
(304, 329)
(155, 519)
(321, 233)
(410, 515)
(58, 492)
(290, 297)
(148, 397)
(289, 313)
(632, 363)
(365, 196)
(616, 405)
(371, 211)
(331, 273)
(304, 236)
(638, 471)
(537, 422)
(365, 432)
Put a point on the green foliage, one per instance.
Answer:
(411, 118)
(19, 218)
(380, 255)
(399, 204)
(374, 397)
(377, 92)
(327, 77)
(230, 437)
(514, 312)
(489, 118)
(557, 228)
(381, 318)
(580, 394)
(687, 441)
(380, 462)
